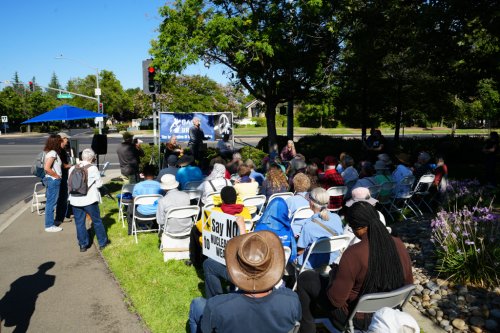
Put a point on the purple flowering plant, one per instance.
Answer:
(466, 242)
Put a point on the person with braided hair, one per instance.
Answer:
(378, 263)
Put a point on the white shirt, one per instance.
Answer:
(56, 166)
(93, 194)
(206, 188)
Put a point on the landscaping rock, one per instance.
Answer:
(476, 329)
(476, 321)
(495, 313)
(459, 323)
(491, 325)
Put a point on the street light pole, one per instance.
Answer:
(97, 90)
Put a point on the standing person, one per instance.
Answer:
(129, 156)
(62, 206)
(255, 264)
(378, 263)
(89, 204)
(490, 151)
(52, 166)
(196, 137)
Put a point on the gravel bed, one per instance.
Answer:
(456, 308)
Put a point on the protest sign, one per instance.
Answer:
(218, 229)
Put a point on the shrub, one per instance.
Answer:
(256, 155)
(121, 127)
(148, 151)
(466, 245)
(260, 122)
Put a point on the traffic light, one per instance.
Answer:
(32, 88)
(151, 79)
(149, 76)
(101, 108)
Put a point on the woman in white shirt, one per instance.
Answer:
(52, 166)
(88, 204)
(214, 182)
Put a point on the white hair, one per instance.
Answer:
(319, 198)
(196, 119)
(88, 155)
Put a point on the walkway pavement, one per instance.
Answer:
(47, 285)
(70, 292)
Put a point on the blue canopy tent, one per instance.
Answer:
(64, 112)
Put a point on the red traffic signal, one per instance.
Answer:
(31, 86)
(151, 79)
(101, 108)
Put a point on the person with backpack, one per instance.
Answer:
(84, 182)
(52, 166)
(62, 209)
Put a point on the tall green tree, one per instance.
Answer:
(278, 50)
(54, 83)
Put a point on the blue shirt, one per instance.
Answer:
(235, 312)
(259, 178)
(188, 174)
(147, 187)
(312, 232)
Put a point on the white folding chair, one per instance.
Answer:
(385, 196)
(194, 195)
(176, 245)
(209, 198)
(301, 213)
(374, 191)
(146, 199)
(323, 245)
(192, 185)
(337, 191)
(257, 201)
(104, 168)
(122, 207)
(421, 191)
(38, 200)
(402, 196)
(371, 303)
(284, 195)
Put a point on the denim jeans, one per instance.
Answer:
(52, 193)
(214, 272)
(62, 200)
(196, 313)
(81, 230)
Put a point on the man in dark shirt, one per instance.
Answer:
(196, 137)
(129, 155)
(255, 264)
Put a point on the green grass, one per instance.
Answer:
(160, 292)
(385, 131)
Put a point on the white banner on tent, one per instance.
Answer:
(217, 231)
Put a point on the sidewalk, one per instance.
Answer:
(75, 292)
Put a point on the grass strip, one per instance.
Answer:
(160, 292)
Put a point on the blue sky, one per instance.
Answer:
(113, 35)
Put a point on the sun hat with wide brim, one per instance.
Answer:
(255, 261)
(168, 182)
(361, 194)
(185, 160)
(404, 158)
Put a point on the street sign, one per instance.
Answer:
(5, 119)
(98, 91)
(64, 96)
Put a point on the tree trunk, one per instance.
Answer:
(271, 123)
(399, 113)
(364, 105)
(289, 118)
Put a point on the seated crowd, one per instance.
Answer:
(257, 271)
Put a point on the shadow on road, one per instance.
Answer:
(18, 304)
